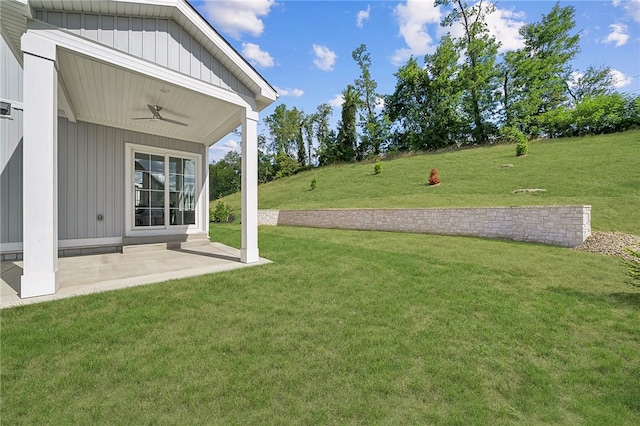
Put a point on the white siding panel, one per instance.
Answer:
(74, 22)
(162, 41)
(135, 40)
(11, 178)
(150, 39)
(10, 74)
(174, 46)
(122, 33)
(162, 53)
(107, 30)
(91, 27)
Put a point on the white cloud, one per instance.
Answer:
(631, 6)
(256, 56)
(362, 16)
(337, 101)
(238, 17)
(220, 149)
(503, 24)
(289, 92)
(379, 104)
(619, 35)
(619, 79)
(413, 18)
(324, 59)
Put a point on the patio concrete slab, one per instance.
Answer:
(103, 272)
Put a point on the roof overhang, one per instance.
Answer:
(102, 85)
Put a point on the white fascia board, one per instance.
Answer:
(103, 53)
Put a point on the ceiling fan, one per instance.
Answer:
(155, 111)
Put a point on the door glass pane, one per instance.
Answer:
(152, 186)
(143, 161)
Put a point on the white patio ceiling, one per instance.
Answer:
(102, 93)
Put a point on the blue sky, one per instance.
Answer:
(303, 47)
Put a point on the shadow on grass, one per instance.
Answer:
(630, 299)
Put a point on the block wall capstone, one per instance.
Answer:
(566, 226)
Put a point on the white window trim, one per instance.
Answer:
(130, 229)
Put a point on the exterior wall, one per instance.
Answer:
(158, 40)
(11, 83)
(566, 226)
(91, 176)
(91, 164)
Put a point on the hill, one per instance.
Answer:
(602, 171)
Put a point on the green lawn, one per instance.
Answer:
(350, 327)
(601, 171)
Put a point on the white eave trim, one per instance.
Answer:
(103, 53)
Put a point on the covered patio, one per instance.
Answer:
(82, 275)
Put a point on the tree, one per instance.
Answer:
(536, 79)
(594, 82)
(424, 106)
(224, 176)
(478, 73)
(347, 133)
(285, 130)
(374, 126)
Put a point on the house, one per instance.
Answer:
(108, 109)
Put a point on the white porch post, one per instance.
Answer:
(40, 171)
(249, 252)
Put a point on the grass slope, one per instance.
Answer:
(601, 171)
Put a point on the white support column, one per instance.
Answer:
(249, 252)
(40, 168)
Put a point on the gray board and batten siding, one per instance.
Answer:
(11, 85)
(91, 179)
(158, 40)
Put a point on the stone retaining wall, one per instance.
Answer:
(566, 226)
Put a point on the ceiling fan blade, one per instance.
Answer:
(155, 110)
(179, 123)
(143, 118)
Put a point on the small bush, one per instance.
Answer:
(522, 149)
(314, 184)
(222, 213)
(433, 178)
(633, 267)
(511, 134)
(377, 167)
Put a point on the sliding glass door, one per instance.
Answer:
(164, 190)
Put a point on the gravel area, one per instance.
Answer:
(610, 243)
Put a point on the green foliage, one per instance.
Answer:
(535, 79)
(285, 165)
(314, 184)
(512, 135)
(285, 129)
(426, 100)
(347, 133)
(222, 213)
(225, 176)
(377, 167)
(522, 148)
(633, 266)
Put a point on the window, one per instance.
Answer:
(5, 109)
(164, 187)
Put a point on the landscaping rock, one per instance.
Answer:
(610, 244)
